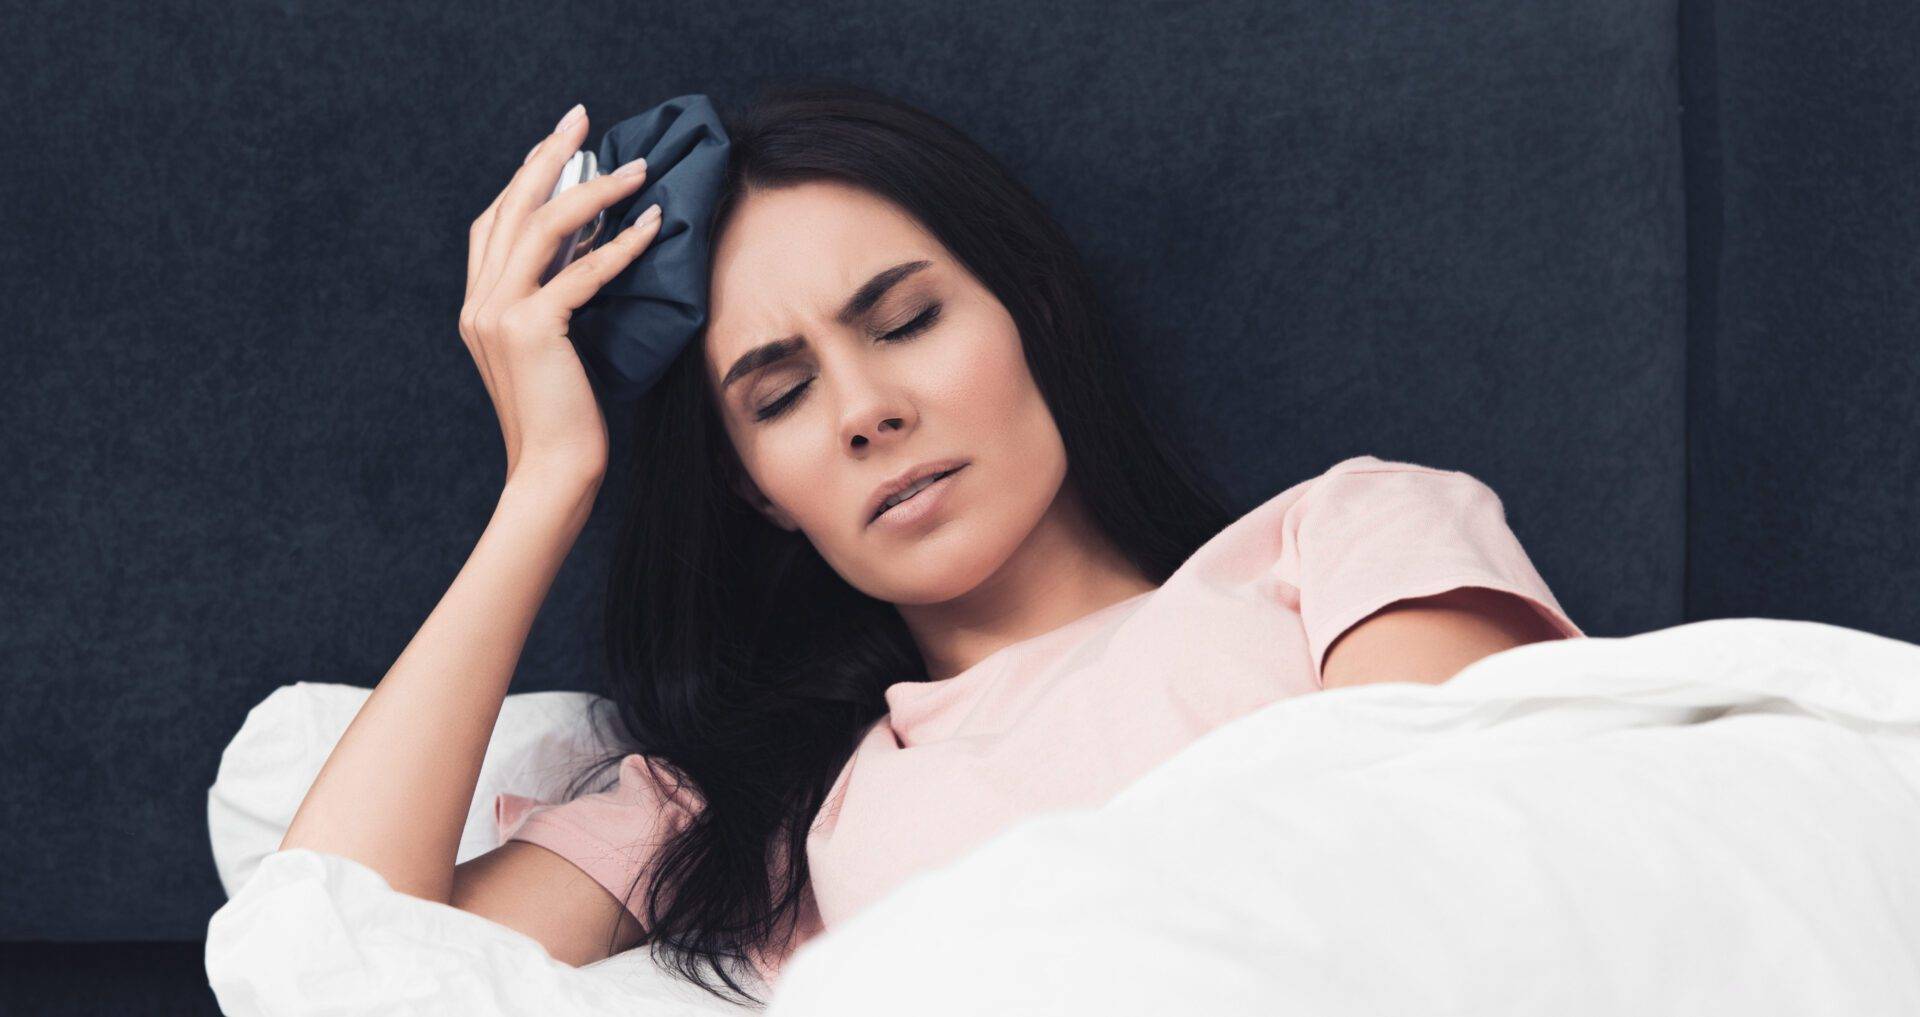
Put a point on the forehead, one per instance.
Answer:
(789, 258)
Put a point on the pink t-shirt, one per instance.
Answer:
(1068, 718)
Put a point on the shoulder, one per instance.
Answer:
(1363, 496)
(1375, 464)
(1364, 486)
(1362, 478)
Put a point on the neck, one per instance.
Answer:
(1063, 571)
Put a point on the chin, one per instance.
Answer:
(936, 566)
(952, 561)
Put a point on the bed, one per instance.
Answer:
(1716, 817)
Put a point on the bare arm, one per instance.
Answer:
(531, 890)
(395, 792)
(397, 788)
(1431, 639)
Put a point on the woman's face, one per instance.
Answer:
(850, 407)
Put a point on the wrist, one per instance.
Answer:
(569, 491)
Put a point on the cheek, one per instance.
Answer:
(781, 469)
(774, 462)
(984, 381)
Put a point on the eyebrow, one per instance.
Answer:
(860, 303)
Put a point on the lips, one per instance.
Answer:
(924, 482)
(922, 486)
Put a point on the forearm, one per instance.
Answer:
(395, 792)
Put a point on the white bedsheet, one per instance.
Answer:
(1719, 817)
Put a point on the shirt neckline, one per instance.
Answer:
(917, 692)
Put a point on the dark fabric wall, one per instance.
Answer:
(1803, 395)
(245, 445)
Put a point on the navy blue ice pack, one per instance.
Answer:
(630, 331)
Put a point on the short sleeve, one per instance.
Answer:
(1370, 531)
(610, 835)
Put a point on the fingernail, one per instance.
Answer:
(573, 115)
(652, 213)
(631, 169)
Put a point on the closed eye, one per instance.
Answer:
(920, 323)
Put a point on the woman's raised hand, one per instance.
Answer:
(516, 328)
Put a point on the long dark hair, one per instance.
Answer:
(742, 667)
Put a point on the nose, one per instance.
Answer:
(875, 411)
(875, 414)
(887, 426)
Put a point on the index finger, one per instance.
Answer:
(483, 223)
(477, 243)
(530, 187)
(563, 216)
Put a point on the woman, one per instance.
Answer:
(830, 674)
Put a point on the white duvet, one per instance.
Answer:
(1719, 817)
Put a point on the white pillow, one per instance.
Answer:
(540, 742)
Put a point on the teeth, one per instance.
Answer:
(911, 491)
